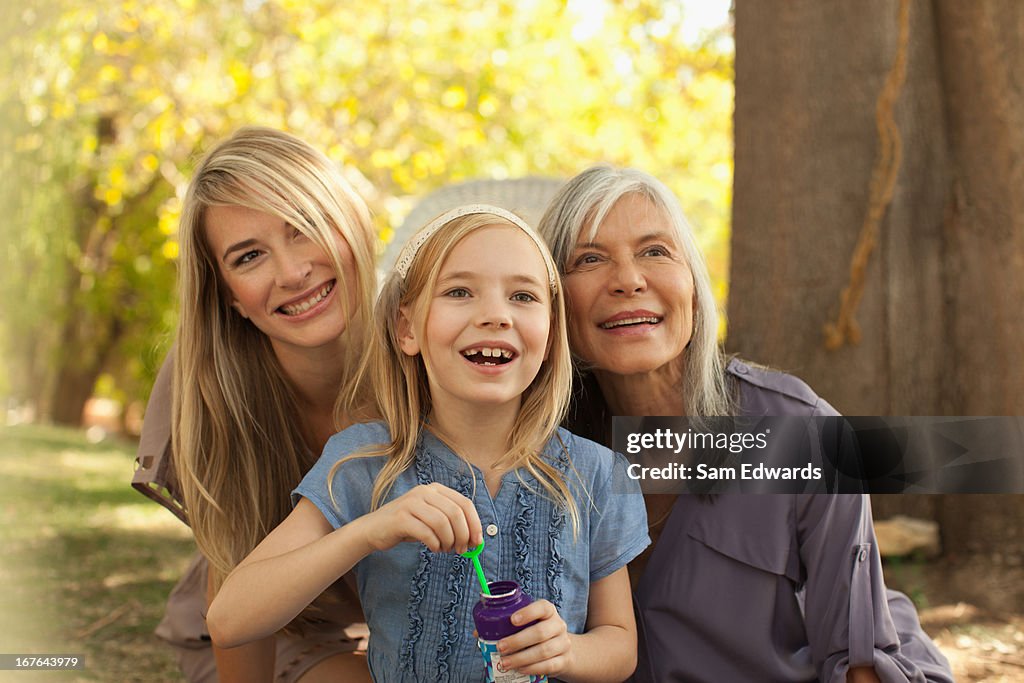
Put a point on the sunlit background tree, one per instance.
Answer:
(107, 106)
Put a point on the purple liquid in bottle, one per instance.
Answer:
(493, 619)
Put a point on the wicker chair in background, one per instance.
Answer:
(526, 197)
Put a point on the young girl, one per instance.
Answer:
(472, 373)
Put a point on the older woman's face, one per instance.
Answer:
(630, 291)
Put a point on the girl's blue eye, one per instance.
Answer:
(524, 297)
(457, 293)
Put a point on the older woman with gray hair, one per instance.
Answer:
(736, 587)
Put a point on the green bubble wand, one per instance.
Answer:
(474, 554)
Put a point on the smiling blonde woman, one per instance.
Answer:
(276, 276)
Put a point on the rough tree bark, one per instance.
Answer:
(941, 319)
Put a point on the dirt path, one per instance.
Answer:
(974, 610)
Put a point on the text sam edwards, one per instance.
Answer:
(747, 470)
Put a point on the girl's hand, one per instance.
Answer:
(543, 648)
(438, 517)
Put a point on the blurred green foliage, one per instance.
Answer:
(105, 108)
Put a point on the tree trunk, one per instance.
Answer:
(94, 338)
(94, 317)
(941, 324)
(75, 386)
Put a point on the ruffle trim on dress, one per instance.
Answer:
(554, 569)
(521, 536)
(451, 633)
(419, 581)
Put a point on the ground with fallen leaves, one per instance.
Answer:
(87, 563)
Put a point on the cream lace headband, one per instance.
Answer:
(412, 247)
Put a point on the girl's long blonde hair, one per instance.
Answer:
(402, 394)
(239, 446)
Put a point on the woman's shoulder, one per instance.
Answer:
(763, 391)
(155, 475)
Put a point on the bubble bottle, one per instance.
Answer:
(492, 617)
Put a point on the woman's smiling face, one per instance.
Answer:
(278, 278)
(630, 292)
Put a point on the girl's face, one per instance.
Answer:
(278, 278)
(487, 320)
(630, 292)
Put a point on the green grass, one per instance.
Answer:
(86, 562)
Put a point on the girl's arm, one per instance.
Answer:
(294, 564)
(304, 555)
(605, 652)
(249, 664)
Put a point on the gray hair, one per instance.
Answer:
(579, 209)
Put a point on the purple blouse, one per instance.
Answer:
(775, 587)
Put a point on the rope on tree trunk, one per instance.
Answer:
(882, 188)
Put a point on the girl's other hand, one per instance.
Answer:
(545, 647)
(440, 518)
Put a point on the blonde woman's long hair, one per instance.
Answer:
(580, 207)
(402, 392)
(239, 446)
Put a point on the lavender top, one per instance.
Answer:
(775, 587)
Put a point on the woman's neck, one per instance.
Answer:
(315, 375)
(659, 392)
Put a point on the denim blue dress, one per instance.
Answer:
(419, 604)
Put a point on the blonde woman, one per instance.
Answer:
(471, 372)
(275, 284)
